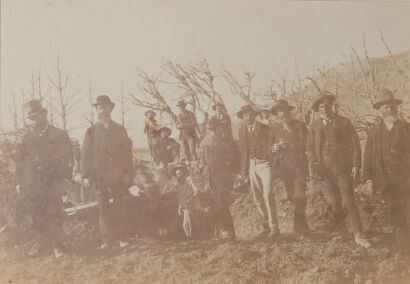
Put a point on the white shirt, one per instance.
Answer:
(251, 128)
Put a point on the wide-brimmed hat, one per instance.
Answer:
(245, 109)
(103, 100)
(281, 105)
(33, 108)
(181, 103)
(216, 105)
(165, 129)
(386, 97)
(324, 96)
(150, 111)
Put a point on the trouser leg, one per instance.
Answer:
(186, 223)
(192, 147)
(256, 189)
(264, 173)
(185, 146)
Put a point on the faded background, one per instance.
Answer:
(101, 43)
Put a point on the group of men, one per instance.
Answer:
(285, 148)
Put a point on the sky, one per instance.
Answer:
(104, 42)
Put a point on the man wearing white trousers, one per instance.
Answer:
(256, 141)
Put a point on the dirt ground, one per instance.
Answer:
(322, 257)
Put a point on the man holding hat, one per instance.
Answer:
(255, 141)
(334, 154)
(151, 128)
(166, 149)
(106, 164)
(289, 160)
(44, 160)
(387, 161)
(187, 124)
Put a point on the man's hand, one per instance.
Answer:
(18, 189)
(86, 183)
(180, 212)
(355, 172)
(276, 147)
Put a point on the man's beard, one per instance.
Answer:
(389, 118)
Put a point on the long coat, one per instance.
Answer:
(186, 120)
(44, 160)
(107, 154)
(372, 160)
(264, 137)
(349, 143)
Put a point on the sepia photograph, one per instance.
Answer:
(177, 141)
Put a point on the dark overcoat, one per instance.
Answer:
(43, 160)
(372, 160)
(264, 137)
(106, 154)
(348, 147)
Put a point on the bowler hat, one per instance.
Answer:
(103, 100)
(150, 111)
(281, 105)
(245, 109)
(33, 107)
(386, 97)
(323, 97)
(166, 129)
(181, 103)
(216, 105)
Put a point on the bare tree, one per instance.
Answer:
(14, 111)
(90, 116)
(244, 90)
(150, 96)
(67, 101)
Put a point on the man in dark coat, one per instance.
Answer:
(44, 160)
(290, 161)
(387, 161)
(222, 118)
(216, 158)
(106, 164)
(334, 154)
(255, 141)
(187, 124)
(166, 149)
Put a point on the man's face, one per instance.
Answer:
(218, 109)
(164, 134)
(325, 109)
(389, 111)
(282, 115)
(181, 108)
(38, 121)
(104, 112)
(150, 115)
(249, 118)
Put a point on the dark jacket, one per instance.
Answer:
(106, 154)
(295, 153)
(264, 137)
(43, 159)
(187, 124)
(226, 125)
(373, 168)
(162, 154)
(349, 144)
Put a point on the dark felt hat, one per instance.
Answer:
(245, 109)
(150, 111)
(103, 100)
(323, 97)
(386, 97)
(181, 103)
(216, 105)
(165, 129)
(281, 105)
(33, 107)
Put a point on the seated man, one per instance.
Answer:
(166, 149)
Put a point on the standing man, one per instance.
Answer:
(255, 141)
(334, 154)
(290, 161)
(106, 164)
(387, 162)
(151, 128)
(44, 160)
(223, 119)
(166, 149)
(216, 158)
(186, 123)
